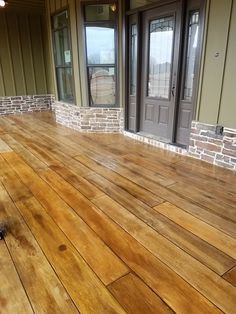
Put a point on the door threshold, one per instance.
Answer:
(155, 137)
(156, 141)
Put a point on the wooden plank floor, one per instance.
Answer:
(100, 223)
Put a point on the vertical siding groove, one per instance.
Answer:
(44, 80)
(44, 55)
(10, 54)
(21, 54)
(2, 85)
(32, 53)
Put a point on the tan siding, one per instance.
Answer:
(47, 58)
(58, 4)
(216, 42)
(6, 58)
(2, 87)
(27, 54)
(227, 114)
(37, 50)
(50, 60)
(21, 52)
(75, 52)
(52, 5)
(64, 3)
(16, 54)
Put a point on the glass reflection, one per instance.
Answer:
(65, 83)
(100, 45)
(160, 57)
(102, 85)
(62, 47)
(133, 59)
(191, 55)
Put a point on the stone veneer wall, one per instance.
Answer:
(206, 145)
(22, 104)
(88, 119)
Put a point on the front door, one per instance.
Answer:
(159, 71)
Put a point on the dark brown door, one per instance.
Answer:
(160, 61)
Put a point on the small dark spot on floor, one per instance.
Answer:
(3, 302)
(62, 247)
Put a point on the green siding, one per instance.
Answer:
(227, 114)
(216, 42)
(22, 62)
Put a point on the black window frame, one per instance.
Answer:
(54, 30)
(102, 23)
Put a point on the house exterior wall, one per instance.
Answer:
(227, 111)
(216, 96)
(23, 50)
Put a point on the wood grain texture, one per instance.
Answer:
(217, 238)
(13, 298)
(104, 263)
(45, 291)
(136, 297)
(99, 223)
(85, 289)
(230, 276)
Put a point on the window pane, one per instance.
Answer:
(133, 59)
(104, 12)
(191, 55)
(102, 82)
(62, 47)
(60, 20)
(65, 83)
(100, 45)
(160, 57)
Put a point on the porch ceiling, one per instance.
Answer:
(29, 5)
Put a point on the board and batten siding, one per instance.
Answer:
(22, 54)
(217, 99)
(227, 112)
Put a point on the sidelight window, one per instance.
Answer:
(192, 46)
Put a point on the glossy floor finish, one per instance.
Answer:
(99, 223)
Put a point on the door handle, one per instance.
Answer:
(173, 91)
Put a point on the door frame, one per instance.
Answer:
(137, 13)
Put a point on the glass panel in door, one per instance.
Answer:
(133, 59)
(160, 62)
(160, 57)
